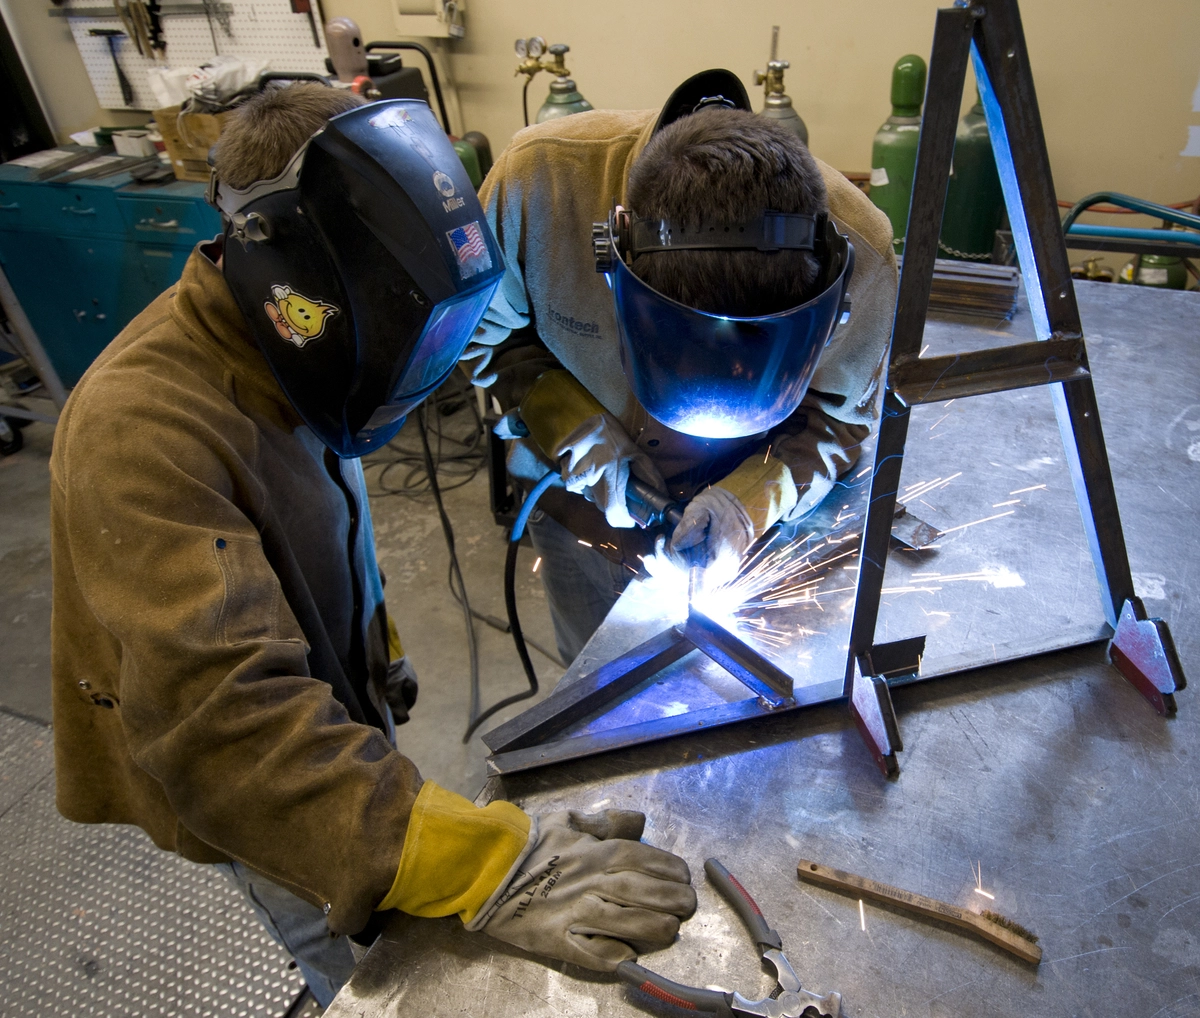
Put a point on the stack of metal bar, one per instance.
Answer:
(973, 288)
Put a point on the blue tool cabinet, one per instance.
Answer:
(84, 258)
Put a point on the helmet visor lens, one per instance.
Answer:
(713, 376)
(445, 337)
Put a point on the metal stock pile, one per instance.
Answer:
(970, 288)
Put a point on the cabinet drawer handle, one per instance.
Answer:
(156, 224)
(78, 212)
(10, 208)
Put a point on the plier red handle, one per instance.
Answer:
(789, 1000)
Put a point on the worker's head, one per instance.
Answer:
(357, 251)
(721, 166)
(267, 130)
(727, 274)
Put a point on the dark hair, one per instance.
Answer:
(726, 166)
(263, 134)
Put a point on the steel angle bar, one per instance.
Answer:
(742, 661)
(626, 737)
(870, 703)
(932, 379)
(607, 684)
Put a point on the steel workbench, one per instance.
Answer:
(1079, 804)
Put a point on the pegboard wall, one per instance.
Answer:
(258, 30)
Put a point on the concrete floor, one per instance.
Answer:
(95, 944)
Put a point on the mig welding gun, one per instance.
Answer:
(648, 506)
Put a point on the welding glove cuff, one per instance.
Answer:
(456, 854)
(732, 515)
(589, 892)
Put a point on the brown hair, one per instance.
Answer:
(263, 134)
(727, 166)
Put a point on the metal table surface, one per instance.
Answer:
(1079, 805)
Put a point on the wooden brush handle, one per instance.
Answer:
(862, 887)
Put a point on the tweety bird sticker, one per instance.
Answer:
(296, 317)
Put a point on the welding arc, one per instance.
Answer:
(510, 604)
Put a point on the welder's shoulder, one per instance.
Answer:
(849, 206)
(151, 387)
(597, 129)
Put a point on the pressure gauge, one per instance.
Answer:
(537, 46)
(522, 48)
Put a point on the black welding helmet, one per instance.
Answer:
(362, 270)
(712, 375)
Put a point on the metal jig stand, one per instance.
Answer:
(1140, 648)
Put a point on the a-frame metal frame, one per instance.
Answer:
(991, 35)
(1140, 648)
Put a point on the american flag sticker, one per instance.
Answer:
(470, 249)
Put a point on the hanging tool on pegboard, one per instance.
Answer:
(143, 24)
(217, 14)
(112, 35)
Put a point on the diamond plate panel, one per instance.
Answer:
(26, 757)
(94, 920)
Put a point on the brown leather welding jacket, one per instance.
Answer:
(218, 639)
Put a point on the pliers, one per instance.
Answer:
(788, 1001)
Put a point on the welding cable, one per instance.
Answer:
(510, 603)
(455, 570)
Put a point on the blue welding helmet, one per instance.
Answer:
(711, 375)
(362, 270)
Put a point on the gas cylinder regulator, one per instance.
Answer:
(777, 104)
(564, 97)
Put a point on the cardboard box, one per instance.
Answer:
(188, 137)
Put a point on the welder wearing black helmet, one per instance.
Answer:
(728, 351)
(220, 654)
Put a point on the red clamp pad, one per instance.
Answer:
(1142, 650)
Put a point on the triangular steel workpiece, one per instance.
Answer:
(991, 34)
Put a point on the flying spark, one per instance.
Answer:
(862, 916)
(537, 563)
(1021, 491)
(963, 526)
(978, 875)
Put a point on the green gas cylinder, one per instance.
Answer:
(1164, 272)
(468, 155)
(974, 200)
(894, 151)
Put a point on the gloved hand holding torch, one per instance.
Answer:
(595, 454)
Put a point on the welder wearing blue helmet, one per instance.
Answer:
(692, 299)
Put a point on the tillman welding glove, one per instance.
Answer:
(730, 516)
(590, 893)
(572, 886)
(591, 447)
